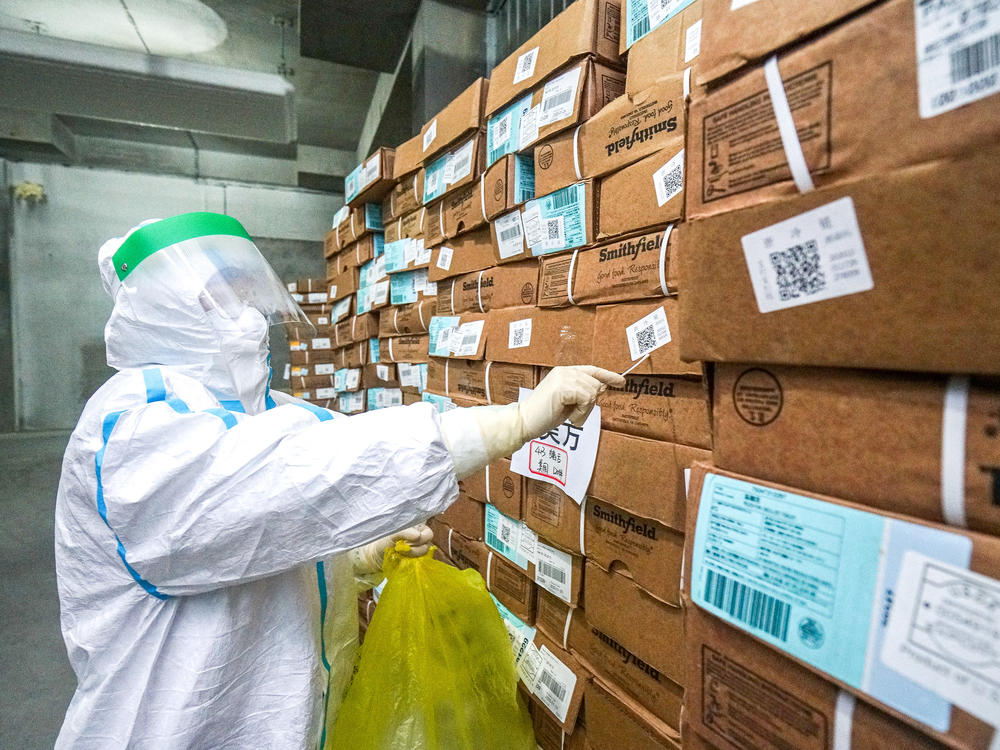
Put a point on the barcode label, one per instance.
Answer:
(661, 10)
(549, 681)
(648, 334)
(555, 684)
(797, 270)
(559, 98)
(500, 130)
(519, 334)
(525, 67)
(431, 134)
(470, 335)
(958, 53)
(325, 369)
(556, 101)
(554, 571)
(503, 534)
(511, 233)
(527, 127)
(510, 236)
(638, 29)
(459, 163)
(668, 180)
(563, 198)
(748, 605)
(444, 258)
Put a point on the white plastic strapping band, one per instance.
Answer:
(399, 228)
(956, 403)
(663, 260)
(416, 196)
(569, 619)
(392, 357)
(482, 195)
(569, 278)
(450, 532)
(583, 516)
(488, 499)
(354, 233)
(843, 721)
(479, 290)
(420, 314)
(395, 319)
(354, 323)
(357, 254)
(576, 152)
(423, 214)
(786, 127)
(489, 565)
(441, 217)
(447, 391)
(368, 609)
(453, 295)
(486, 379)
(687, 82)
(338, 236)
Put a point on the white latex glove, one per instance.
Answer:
(479, 435)
(417, 537)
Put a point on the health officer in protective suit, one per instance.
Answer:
(204, 522)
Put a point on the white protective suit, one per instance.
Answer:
(199, 519)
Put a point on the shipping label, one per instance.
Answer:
(467, 338)
(692, 41)
(559, 98)
(373, 216)
(341, 308)
(648, 334)
(322, 343)
(645, 15)
(503, 534)
(741, 146)
(431, 134)
(459, 164)
(327, 368)
(668, 180)
(557, 221)
(519, 334)
(439, 331)
(525, 67)
(554, 571)
(444, 258)
(510, 236)
(395, 255)
(503, 128)
(524, 178)
(352, 402)
(958, 53)
(402, 288)
(374, 355)
(322, 393)
(352, 379)
(555, 684)
(434, 182)
(382, 372)
(815, 256)
(441, 403)
(340, 380)
(527, 128)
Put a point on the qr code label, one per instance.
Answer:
(526, 65)
(815, 256)
(519, 334)
(500, 130)
(668, 180)
(648, 334)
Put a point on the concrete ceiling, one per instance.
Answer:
(186, 48)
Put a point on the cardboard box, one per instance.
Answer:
(508, 183)
(612, 663)
(649, 193)
(462, 210)
(310, 382)
(404, 320)
(622, 132)
(659, 407)
(882, 581)
(310, 357)
(647, 627)
(407, 225)
(734, 676)
(617, 539)
(330, 245)
(363, 250)
(374, 375)
(404, 198)
(472, 251)
(563, 220)
(466, 553)
(345, 284)
(549, 733)
(492, 288)
(614, 721)
(498, 485)
(410, 349)
(461, 166)
(619, 479)
(587, 27)
(351, 403)
(882, 447)
(357, 328)
(485, 382)
(568, 97)
(359, 222)
(552, 514)
(554, 617)
(910, 318)
(470, 330)
(635, 268)
(511, 586)
(458, 119)
(626, 329)
(574, 685)
(670, 48)
(370, 181)
(356, 355)
(735, 36)
(844, 86)
(531, 336)
(466, 516)
(408, 159)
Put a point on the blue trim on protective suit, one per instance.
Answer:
(232, 405)
(321, 414)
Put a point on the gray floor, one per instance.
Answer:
(36, 678)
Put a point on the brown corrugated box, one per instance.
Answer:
(736, 34)
(965, 731)
(404, 320)
(659, 407)
(552, 514)
(466, 516)
(461, 211)
(553, 617)
(472, 251)
(734, 677)
(380, 187)
(610, 661)
(854, 91)
(356, 355)
(622, 132)
(668, 49)
(549, 733)
(509, 285)
(463, 115)
(499, 194)
(468, 379)
(650, 629)
(358, 253)
(344, 285)
(630, 200)
(614, 721)
(433, 228)
(634, 268)
(411, 349)
(498, 485)
(311, 358)
(357, 328)
(512, 587)
(330, 246)
(310, 382)
(409, 157)
(407, 225)
(558, 337)
(612, 350)
(406, 196)
(927, 311)
(585, 27)
(374, 375)
(871, 437)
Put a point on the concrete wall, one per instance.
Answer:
(57, 304)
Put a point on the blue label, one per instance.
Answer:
(340, 380)
(378, 242)
(639, 22)
(502, 130)
(395, 255)
(372, 397)
(440, 323)
(562, 217)
(373, 350)
(373, 216)
(402, 289)
(441, 403)
(503, 534)
(364, 300)
(524, 178)
(365, 274)
(351, 184)
(434, 186)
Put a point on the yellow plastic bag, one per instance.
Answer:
(436, 669)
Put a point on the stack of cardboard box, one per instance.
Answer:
(842, 549)
(311, 356)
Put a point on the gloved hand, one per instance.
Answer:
(479, 435)
(418, 538)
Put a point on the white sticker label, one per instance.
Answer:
(459, 163)
(500, 130)
(442, 347)
(388, 397)
(380, 293)
(529, 663)
(553, 233)
(353, 379)
(422, 254)
(526, 65)
(554, 571)
(815, 256)
(531, 218)
(379, 271)
(668, 180)
(292, 286)
(444, 258)
(314, 298)
(409, 375)
(737, 4)
(322, 320)
(519, 334)
(327, 368)
(559, 98)
(660, 10)
(503, 534)
(467, 338)
(527, 129)
(958, 53)
(431, 134)
(342, 213)
(370, 173)
(320, 343)
(382, 371)
(692, 41)
(288, 371)
(527, 546)
(648, 334)
(409, 251)
(326, 393)
(430, 288)
(944, 633)
(510, 236)
(333, 291)
(298, 346)
(555, 684)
